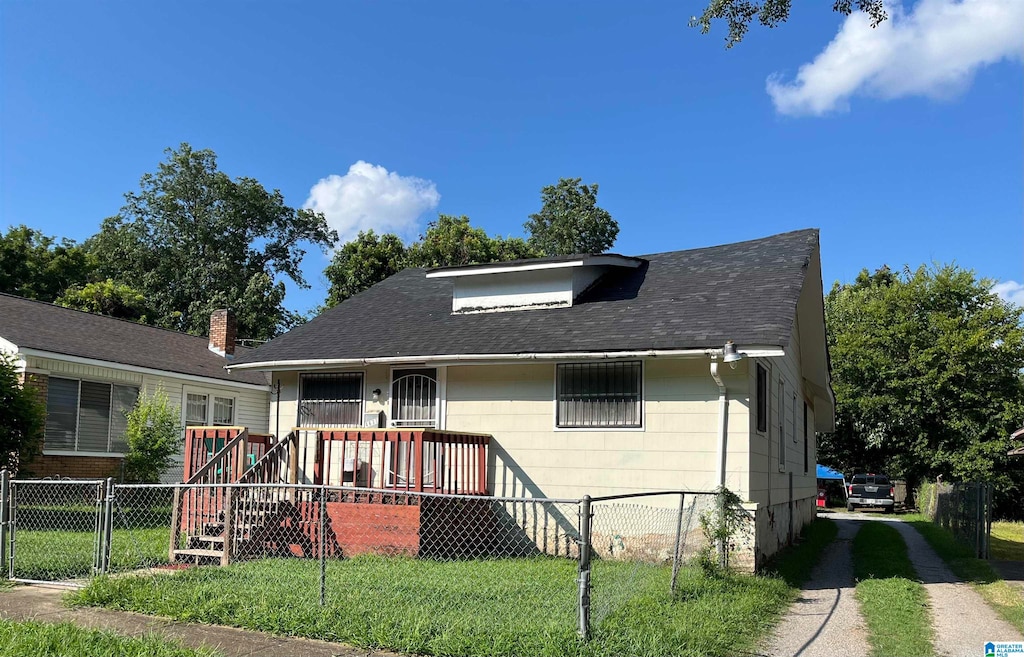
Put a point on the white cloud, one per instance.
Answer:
(933, 50)
(1011, 291)
(370, 196)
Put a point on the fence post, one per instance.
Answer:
(108, 527)
(323, 546)
(5, 518)
(679, 540)
(229, 515)
(175, 525)
(989, 490)
(584, 577)
(979, 522)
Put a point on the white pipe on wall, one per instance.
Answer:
(723, 414)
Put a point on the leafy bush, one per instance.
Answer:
(153, 436)
(22, 417)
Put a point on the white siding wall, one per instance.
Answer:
(252, 407)
(770, 485)
(676, 448)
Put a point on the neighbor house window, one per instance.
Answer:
(85, 416)
(331, 400)
(762, 398)
(598, 394)
(198, 408)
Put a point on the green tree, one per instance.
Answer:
(739, 14)
(107, 297)
(153, 435)
(570, 220)
(22, 418)
(362, 263)
(926, 368)
(192, 240)
(36, 266)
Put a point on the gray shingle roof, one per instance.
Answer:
(746, 292)
(47, 327)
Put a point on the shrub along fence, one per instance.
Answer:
(328, 545)
(965, 509)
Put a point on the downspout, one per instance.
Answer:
(723, 409)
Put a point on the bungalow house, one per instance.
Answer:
(590, 374)
(89, 369)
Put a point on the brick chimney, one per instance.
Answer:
(223, 332)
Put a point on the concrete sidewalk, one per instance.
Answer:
(43, 604)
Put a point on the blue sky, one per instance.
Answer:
(385, 113)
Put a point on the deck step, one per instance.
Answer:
(209, 539)
(199, 552)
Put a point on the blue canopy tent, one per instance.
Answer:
(825, 475)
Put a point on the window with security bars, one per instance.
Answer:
(599, 395)
(332, 400)
(86, 416)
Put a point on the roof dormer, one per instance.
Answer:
(554, 282)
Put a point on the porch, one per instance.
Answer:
(257, 494)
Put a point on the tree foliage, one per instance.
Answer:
(739, 14)
(153, 435)
(926, 368)
(570, 220)
(107, 297)
(192, 240)
(36, 266)
(22, 418)
(448, 241)
(362, 263)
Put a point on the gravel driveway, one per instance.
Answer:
(826, 622)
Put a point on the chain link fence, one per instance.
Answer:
(965, 509)
(317, 552)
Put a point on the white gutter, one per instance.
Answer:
(206, 380)
(723, 410)
(756, 351)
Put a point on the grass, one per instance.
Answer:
(32, 639)
(1007, 541)
(794, 563)
(961, 560)
(482, 607)
(60, 555)
(894, 604)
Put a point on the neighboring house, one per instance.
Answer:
(593, 374)
(89, 370)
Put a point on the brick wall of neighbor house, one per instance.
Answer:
(75, 467)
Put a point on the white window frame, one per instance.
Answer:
(78, 414)
(210, 394)
(643, 397)
(793, 415)
(440, 399)
(362, 393)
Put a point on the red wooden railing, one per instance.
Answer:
(419, 460)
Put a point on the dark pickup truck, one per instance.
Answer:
(872, 490)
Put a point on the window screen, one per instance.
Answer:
(598, 394)
(332, 400)
(61, 414)
(223, 411)
(195, 409)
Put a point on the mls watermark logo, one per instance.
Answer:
(1004, 649)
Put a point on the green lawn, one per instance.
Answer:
(482, 607)
(1007, 540)
(61, 555)
(892, 600)
(32, 639)
(961, 560)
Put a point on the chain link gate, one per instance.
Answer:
(54, 529)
